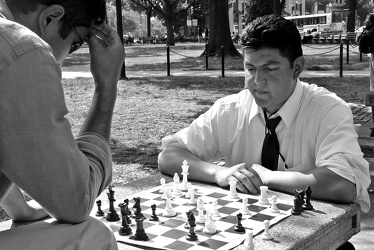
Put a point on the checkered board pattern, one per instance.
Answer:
(170, 232)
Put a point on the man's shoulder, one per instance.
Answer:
(16, 40)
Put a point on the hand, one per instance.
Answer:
(247, 178)
(107, 54)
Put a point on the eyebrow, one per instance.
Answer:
(270, 62)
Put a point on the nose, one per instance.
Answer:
(259, 77)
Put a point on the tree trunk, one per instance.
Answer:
(219, 34)
(352, 5)
(170, 33)
(278, 7)
(149, 15)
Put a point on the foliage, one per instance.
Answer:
(364, 7)
(256, 8)
(129, 24)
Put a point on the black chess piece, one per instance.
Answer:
(99, 211)
(138, 208)
(154, 216)
(140, 233)
(191, 236)
(298, 202)
(239, 227)
(307, 205)
(112, 215)
(125, 229)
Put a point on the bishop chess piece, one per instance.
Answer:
(125, 229)
(99, 211)
(191, 236)
(112, 215)
(239, 227)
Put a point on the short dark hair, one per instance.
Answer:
(78, 12)
(273, 32)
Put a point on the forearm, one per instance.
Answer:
(17, 208)
(99, 117)
(325, 184)
(171, 159)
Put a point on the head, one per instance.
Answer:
(273, 60)
(61, 23)
(369, 21)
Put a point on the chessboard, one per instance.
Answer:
(171, 232)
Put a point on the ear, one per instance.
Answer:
(49, 20)
(298, 66)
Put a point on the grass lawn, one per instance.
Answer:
(147, 109)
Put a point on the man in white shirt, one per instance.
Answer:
(317, 142)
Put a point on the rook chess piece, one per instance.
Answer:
(248, 242)
(233, 193)
(99, 211)
(264, 196)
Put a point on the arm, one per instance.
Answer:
(18, 209)
(107, 57)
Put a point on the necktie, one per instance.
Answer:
(270, 148)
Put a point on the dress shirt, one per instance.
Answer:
(38, 151)
(316, 130)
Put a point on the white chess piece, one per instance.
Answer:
(248, 242)
(185, 167)
(264, 196)
(192, 200)
(167, 193)
(266, 234)
(177, 191)
(215, 212)
(274, 207)
(233, 193)
(245, 209)
(209, 225)
(169, 210)
(163, 182)
(200, 207)
(188, 193)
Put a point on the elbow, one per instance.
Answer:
(162, 160)
(346, 192)
(77, 212)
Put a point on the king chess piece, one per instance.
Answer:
(112, 215)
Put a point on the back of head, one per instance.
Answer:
(369, 21)
(78, 12)
(273, 32)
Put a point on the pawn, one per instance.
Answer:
(99, 211)
(274, 208)
(245, 209)
(266, 234)
(163, 182)
(239, 227)
(169, 210)
(192, 200)
(154, 216)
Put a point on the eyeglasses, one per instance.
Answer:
(76, 45)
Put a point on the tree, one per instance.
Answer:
(309, 4)
(219, 34)
(278, 6)
(352, 5)
(364, 7)
(256, 8)
(140, 6)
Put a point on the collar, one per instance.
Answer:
(5, 11)
(290, 109)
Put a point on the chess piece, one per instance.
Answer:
(239, 227)
(215, 212)
(191, 236)
(274, 208)
(233, 193)
(245, 209)
(264, 196)
(163, 183)
(266, 234)
(209, 225)
(192, 200)
(140, 232)
(185, 173)
(177, 191)
(248, 242)
(99, 211)
(200, 207)
(169, 210)
(137, 208)
(307, 205)
(298, 202)
(154, 216)
(127, 211)
(125, 229)
(112, 215)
